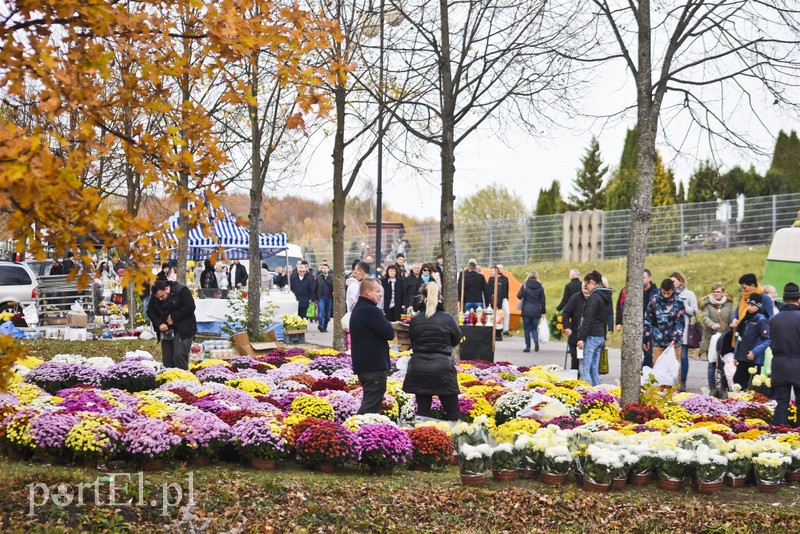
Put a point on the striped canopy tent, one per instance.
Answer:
(225, 235)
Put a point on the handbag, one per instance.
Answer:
(695, 335)
(602, 367)
(520, 301)
(311, 313)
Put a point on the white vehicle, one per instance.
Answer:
(17, 286)
(294, 253)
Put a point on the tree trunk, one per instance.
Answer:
(447, 221)
(641, 212)
(337, 226)
(254, 215)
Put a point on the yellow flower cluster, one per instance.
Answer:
(568, 396)
(464, 377)
(676, 413)
(392, 411)
(14, 378)
(153, 407)
(206, 363)
(710, 426)
(25, 392)
(249, 385)
(608, 413)
(30, 362)
(541, 374)
(293, 419)
(293, 322)
(299, 359)
(792, 439)
(753, 433)
(481, 407)
(664, 425)
(173, 374)
(90, 436)
(573, 384)
(313, 407)
(440, 425)
(313, 353)
(755, 422)
(508, 432)
(393, 354)
(394, 388)
(18, 432)
(538, 383)
(478, 392)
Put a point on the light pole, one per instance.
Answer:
(379, 199)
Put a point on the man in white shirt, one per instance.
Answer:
(361, 271)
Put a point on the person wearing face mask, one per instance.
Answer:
(690, 308)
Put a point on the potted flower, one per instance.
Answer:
(430, 447)
(709, 469)
(555, 465)
(672, 467)
(49, 431)
(739, 453)
(473, 460)
(531, 452)
(94, 439)
(793, 471)
(325, 445)
(642, 469)
(505, 460)
(130, 375)
(203, 435)
(770, 468)
(15, 432)
(150, 441)
(383, 446)
(260, 440)
(599, 468)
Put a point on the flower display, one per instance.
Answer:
(508, 432)
(602, 463)
(130, 375)
(150, 439)
(354, 422)
(94, 437)
(16, 429)
(505, 457)
(293, 322)
(54, 375)
(430, 446)
(770, 466)
(173, 374)
(557, 460)
(710, 464)
(202, 432)
(313, 407)
(474, 459)
(509, 405)
(327, 442)
(383, 444)
(673, 464)
(259, 437)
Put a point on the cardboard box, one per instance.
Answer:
(77, 320)
(246, 348)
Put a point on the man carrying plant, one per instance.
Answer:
(370, 333)
(172, 313)
(785, 329)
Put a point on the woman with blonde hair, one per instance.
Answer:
(431, 370)
(533, 307)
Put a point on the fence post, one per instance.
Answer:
(527, 223)
(491, 241)
(683, 241)
(774, 214)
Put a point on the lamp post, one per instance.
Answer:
(379, 199)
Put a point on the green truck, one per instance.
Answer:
(783, 260)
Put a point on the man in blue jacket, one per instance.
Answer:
(370, 333)
(785, 329)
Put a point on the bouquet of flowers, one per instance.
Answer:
(640, 413)
(505, 457)
(770, 467)
(474, 458)
(645, 463)
(674, 463)
(293, 322)
(430, 446)
(54, 375)
(131, 376)
(94, 437)
(601, 464)
(383, 444)
(531, 451)
(327, 442)
(259, 437)
(150, 439)
(202, 432)
(709, 464)
(473, 433)
(556, 326)
(739, 453)
(557, 460)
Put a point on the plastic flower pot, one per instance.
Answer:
(641, 479)
(262, 464)
(767, 487)
(793, 476)
(527, 474)
(381, 470)
(504, 475)
(579, 477)
(594, 486)
(473, 480)
(618, 483)
(709, 488)
(553, 479)
(668, 484)
(735, 482)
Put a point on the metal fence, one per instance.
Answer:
(678, 228)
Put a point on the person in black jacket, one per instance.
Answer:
(411, 286)
(208, 282)
(533, 307)
(280, 279)
(593, 327)
(571, 320)
(785, 329)
(573, 286)
(393, 293)
(502, 294)
(237, 276)
(370, 334)
(431, 370)
(172, 315)
(474, 287)
(302, 285)
(324, 293)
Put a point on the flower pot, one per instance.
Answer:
(473, 480)
(579, 477)
(14, 454)
(641, 479)
(709, 488)
(381, 470)
(504, 475)
(618, 483)
(262, 464)
(552, 479)
(527, 474)
(671, 485)
(735, 482)
(454, 460)
(793, 476)
(326, 467)
(156, 464)
(595, 486)
(422, 468)
(90, 463)
(200, 460)
(767, 487)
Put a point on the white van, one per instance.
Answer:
(293, 254)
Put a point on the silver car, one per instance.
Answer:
(17, 286)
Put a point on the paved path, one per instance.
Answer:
(510, 350)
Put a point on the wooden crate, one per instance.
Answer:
(293, 337)
(401, 337)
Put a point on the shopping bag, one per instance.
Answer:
(766, 369)
(544, 331)
(311, 313)
(666, 369)
(602, 367)
(712, 348)
(346, 322)
(31, 314)
(695, 335)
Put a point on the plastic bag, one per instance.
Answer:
(712, 348)
(8, 329)
(665, 370)
(77, 308)
(346, 322)
(544, 331)
(544, 408)
(31, 314)
(602, 366)
(730, 367)
(311, 313)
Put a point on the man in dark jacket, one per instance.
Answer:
(370, 333)
(324, 293)
(502, 293)
(302, 285)
(474, 287)
(172, 313)
(237, 276)
(572, 287)
(785, 330)
(593, 328)
(571, 320)
(411, 286)
(209, 288)
(280, 279)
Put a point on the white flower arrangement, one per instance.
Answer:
(100, 362)
(770, 466)
(69, 358)
(473, 458)
(557, 460)
(710, 464)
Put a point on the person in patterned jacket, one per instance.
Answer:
(664, 320)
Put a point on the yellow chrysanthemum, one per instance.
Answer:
(609, 413)
(792, 439)
(539, 383)
(477, 392)
(194, 366)
(464, 377)
(30, 362)
(173, 374)
(25, 392)
(441, 425)
(14, 378)
(249, 385)
(299, 359)
(314, 353)
(568, 396)
(755, 422)
(508, 432)
(753, 433)
(676, 413)
(313, 407)
(711, 426)
(293, 419)
(572, 384)
(467, 366)
(661, 424)
(481, 407)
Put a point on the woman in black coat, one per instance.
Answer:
(431, 370)
(571, 319)
(533, 307)
(393, 294)
(208, 282)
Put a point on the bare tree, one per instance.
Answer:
(468, 65)
(711, 62)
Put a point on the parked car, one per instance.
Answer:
(18, 286)
(40, 268)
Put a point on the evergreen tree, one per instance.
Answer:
(737, 181)
(550, 201)
(620, 187)
(681, 193)
(785, 167)
(588, 182)
(704, 185)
